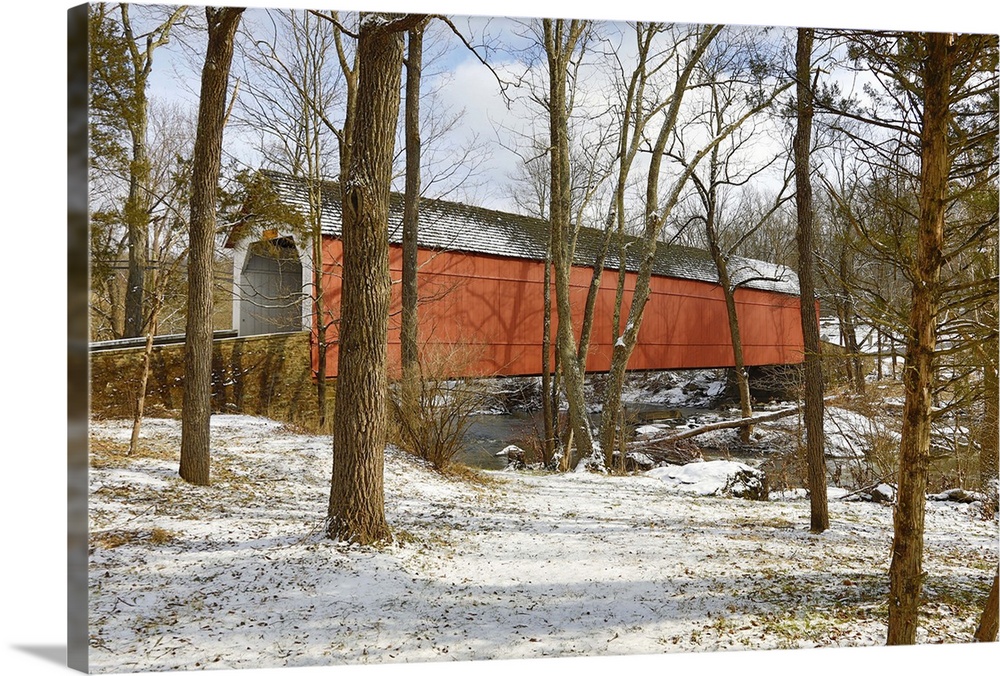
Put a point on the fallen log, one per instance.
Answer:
(739, 422)
(671, 453)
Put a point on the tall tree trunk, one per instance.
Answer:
(137, 204)
(560, 42)
(549, 410)
(989, 443)
(739, 365)
(195, 438)
(411, 214)
(320, 323)
(136, 217)
(987, 629)
(906, 567)
(710, 199)
(819, 518)
(357, 501)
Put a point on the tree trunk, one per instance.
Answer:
(739, 370)
(136, 217)
(709, 196)
(147, 357)
(549, 411)
(195, 442)
(357, 502)
(906, 567)
(411, 212)
(587, 325)
(560, 42)
(654, 218)
(987, 630)
(989, 444)
(819, 519)
(137, 204)
(320, 323)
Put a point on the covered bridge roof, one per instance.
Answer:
(460, 227)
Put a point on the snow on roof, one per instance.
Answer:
(461, 227)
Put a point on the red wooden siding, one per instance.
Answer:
(492, 307)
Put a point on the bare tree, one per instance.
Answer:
(819, 517)
(293, 85)
(409, 355)
(735, 71)
(562, 39)
(195, 435)
(656, 214)
(165, 275)
(559, 171)
(356, 508)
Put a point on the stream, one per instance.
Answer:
(490, 433)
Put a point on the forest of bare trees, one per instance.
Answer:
(747, 142)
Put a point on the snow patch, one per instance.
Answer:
(714, 477)
(525, 565)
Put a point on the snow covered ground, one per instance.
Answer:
(519, 565)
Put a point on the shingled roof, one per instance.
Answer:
(460, 227)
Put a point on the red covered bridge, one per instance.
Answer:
(481, 290)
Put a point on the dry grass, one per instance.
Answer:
(161, 536)
(468, 474)
(106, 453)
(110, 539)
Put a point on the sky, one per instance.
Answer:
(470, 91)
(35, 391)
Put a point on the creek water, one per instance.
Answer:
(490, 433)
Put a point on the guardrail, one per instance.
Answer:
(168, 339)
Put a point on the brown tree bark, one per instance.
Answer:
(195, 438)
(549, 410)
(709, 196)
(906, 567)
(321, 323)
(136, 217)
(987, 629)
(408, 336)
(819, 519)
(989, 444)
(357, 503)
(560, 41)
(739, 365)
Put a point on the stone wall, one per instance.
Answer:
(257, 375)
